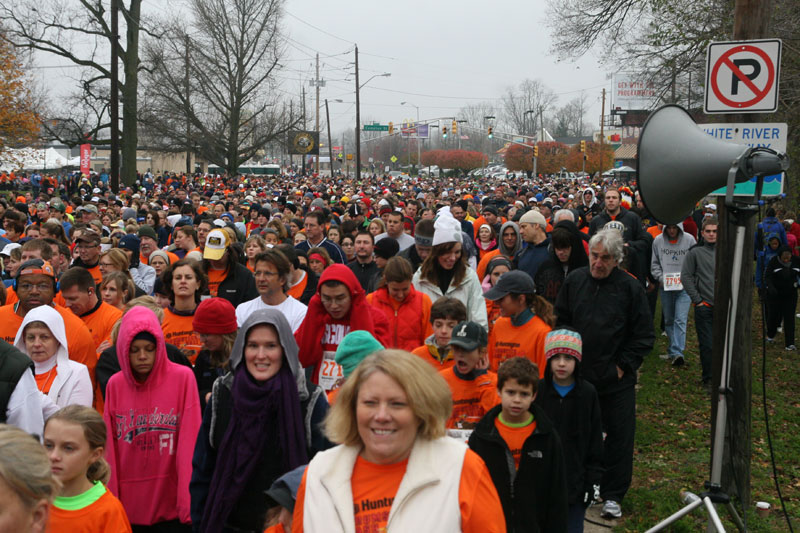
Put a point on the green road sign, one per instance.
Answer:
(375, 127)
(393, 159)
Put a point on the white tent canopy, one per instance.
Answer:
(31, 159)
(614, 171)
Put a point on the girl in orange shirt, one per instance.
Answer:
(184, 282)
(74, 439)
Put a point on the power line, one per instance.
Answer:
(317, 28)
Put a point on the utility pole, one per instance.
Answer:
(316, 83)
(330, 140)
(358, 123)
(603, 118)
(751, 21)
(303, 156)
(114, 111)
(188, 123)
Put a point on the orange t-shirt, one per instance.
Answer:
(178, 330)
(296, 291)
(96, 274)
(425, 353)
(101, 322)
(215, 277)
(515, 437)
(507, 341)
(654, 231)
(472, 398)
(106, 515)
(375, 486)
(45, 380)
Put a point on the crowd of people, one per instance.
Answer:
(291, 353)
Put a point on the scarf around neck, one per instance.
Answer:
(257, 406)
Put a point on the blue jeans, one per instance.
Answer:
(675, 308)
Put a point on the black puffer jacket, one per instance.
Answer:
(576, 417)
(238, 286)
(534, 497)
(613, 317)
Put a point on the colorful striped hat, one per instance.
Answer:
(563, 341)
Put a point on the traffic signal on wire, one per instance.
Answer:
(455, 127)
(444, 132)
(490, 132)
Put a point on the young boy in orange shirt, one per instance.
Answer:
(473, 387)
(534, 494)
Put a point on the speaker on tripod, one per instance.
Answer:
(678, 164)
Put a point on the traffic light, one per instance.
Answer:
(444, 132)
(490, 132)
(535, 151)
(391, 128)
(583, 146)
(455, 127)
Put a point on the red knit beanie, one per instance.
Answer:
(215, 316)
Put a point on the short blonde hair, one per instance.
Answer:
(25, 467)
(428, 396)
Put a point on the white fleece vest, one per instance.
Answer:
(427, 499)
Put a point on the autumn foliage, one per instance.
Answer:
(554, 155)
(18, 120)
(461, 160)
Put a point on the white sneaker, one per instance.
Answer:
(611, 509)
(791, 348)
(665, 356)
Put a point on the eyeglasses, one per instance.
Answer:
(41, 287)
(106, 264)
(339, 300)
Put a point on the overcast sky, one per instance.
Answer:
(442, 55)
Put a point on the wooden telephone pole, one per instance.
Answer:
(751, 21)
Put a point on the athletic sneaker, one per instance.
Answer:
(665, 356)
(678, 361)
(770, 339)
(791, 348)
(611, 509)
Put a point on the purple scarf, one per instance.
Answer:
(257, 406)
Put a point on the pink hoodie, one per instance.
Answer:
(152, 427)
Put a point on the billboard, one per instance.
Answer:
(632, 91)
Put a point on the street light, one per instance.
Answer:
(525, 120)
(419, 155)
(358, 114)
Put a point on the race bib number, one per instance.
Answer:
(459, 434)
(672, 282)
(329, 371)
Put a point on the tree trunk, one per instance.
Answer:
(130, 138)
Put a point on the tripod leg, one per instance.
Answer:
(675, 517)
(735, 517)
(714, 523)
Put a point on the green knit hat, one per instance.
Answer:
(355, 346)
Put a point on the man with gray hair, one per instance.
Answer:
(608, 307)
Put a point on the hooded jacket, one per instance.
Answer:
(249, 513)
(152, 428)
(576, 417)
(72, 384)
(320, 334)
(593, 201)
(697, 273)
(668, 256)
(502, 249)
(468, 291)
(552, 273)
(239, 284)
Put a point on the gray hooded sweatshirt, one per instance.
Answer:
(667, 257)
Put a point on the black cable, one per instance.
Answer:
(766, 422)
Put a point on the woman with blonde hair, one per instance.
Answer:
(253, 246)
(389, 421)
(75, 438)
(27, 484)
(117, 289)
(376, 227)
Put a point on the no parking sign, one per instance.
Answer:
(743, 76)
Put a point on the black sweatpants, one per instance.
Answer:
(618, 412)
(782, 308)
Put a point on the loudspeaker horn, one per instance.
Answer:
(678, 163)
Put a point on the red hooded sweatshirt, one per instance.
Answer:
(152, 428)
(319, 334)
